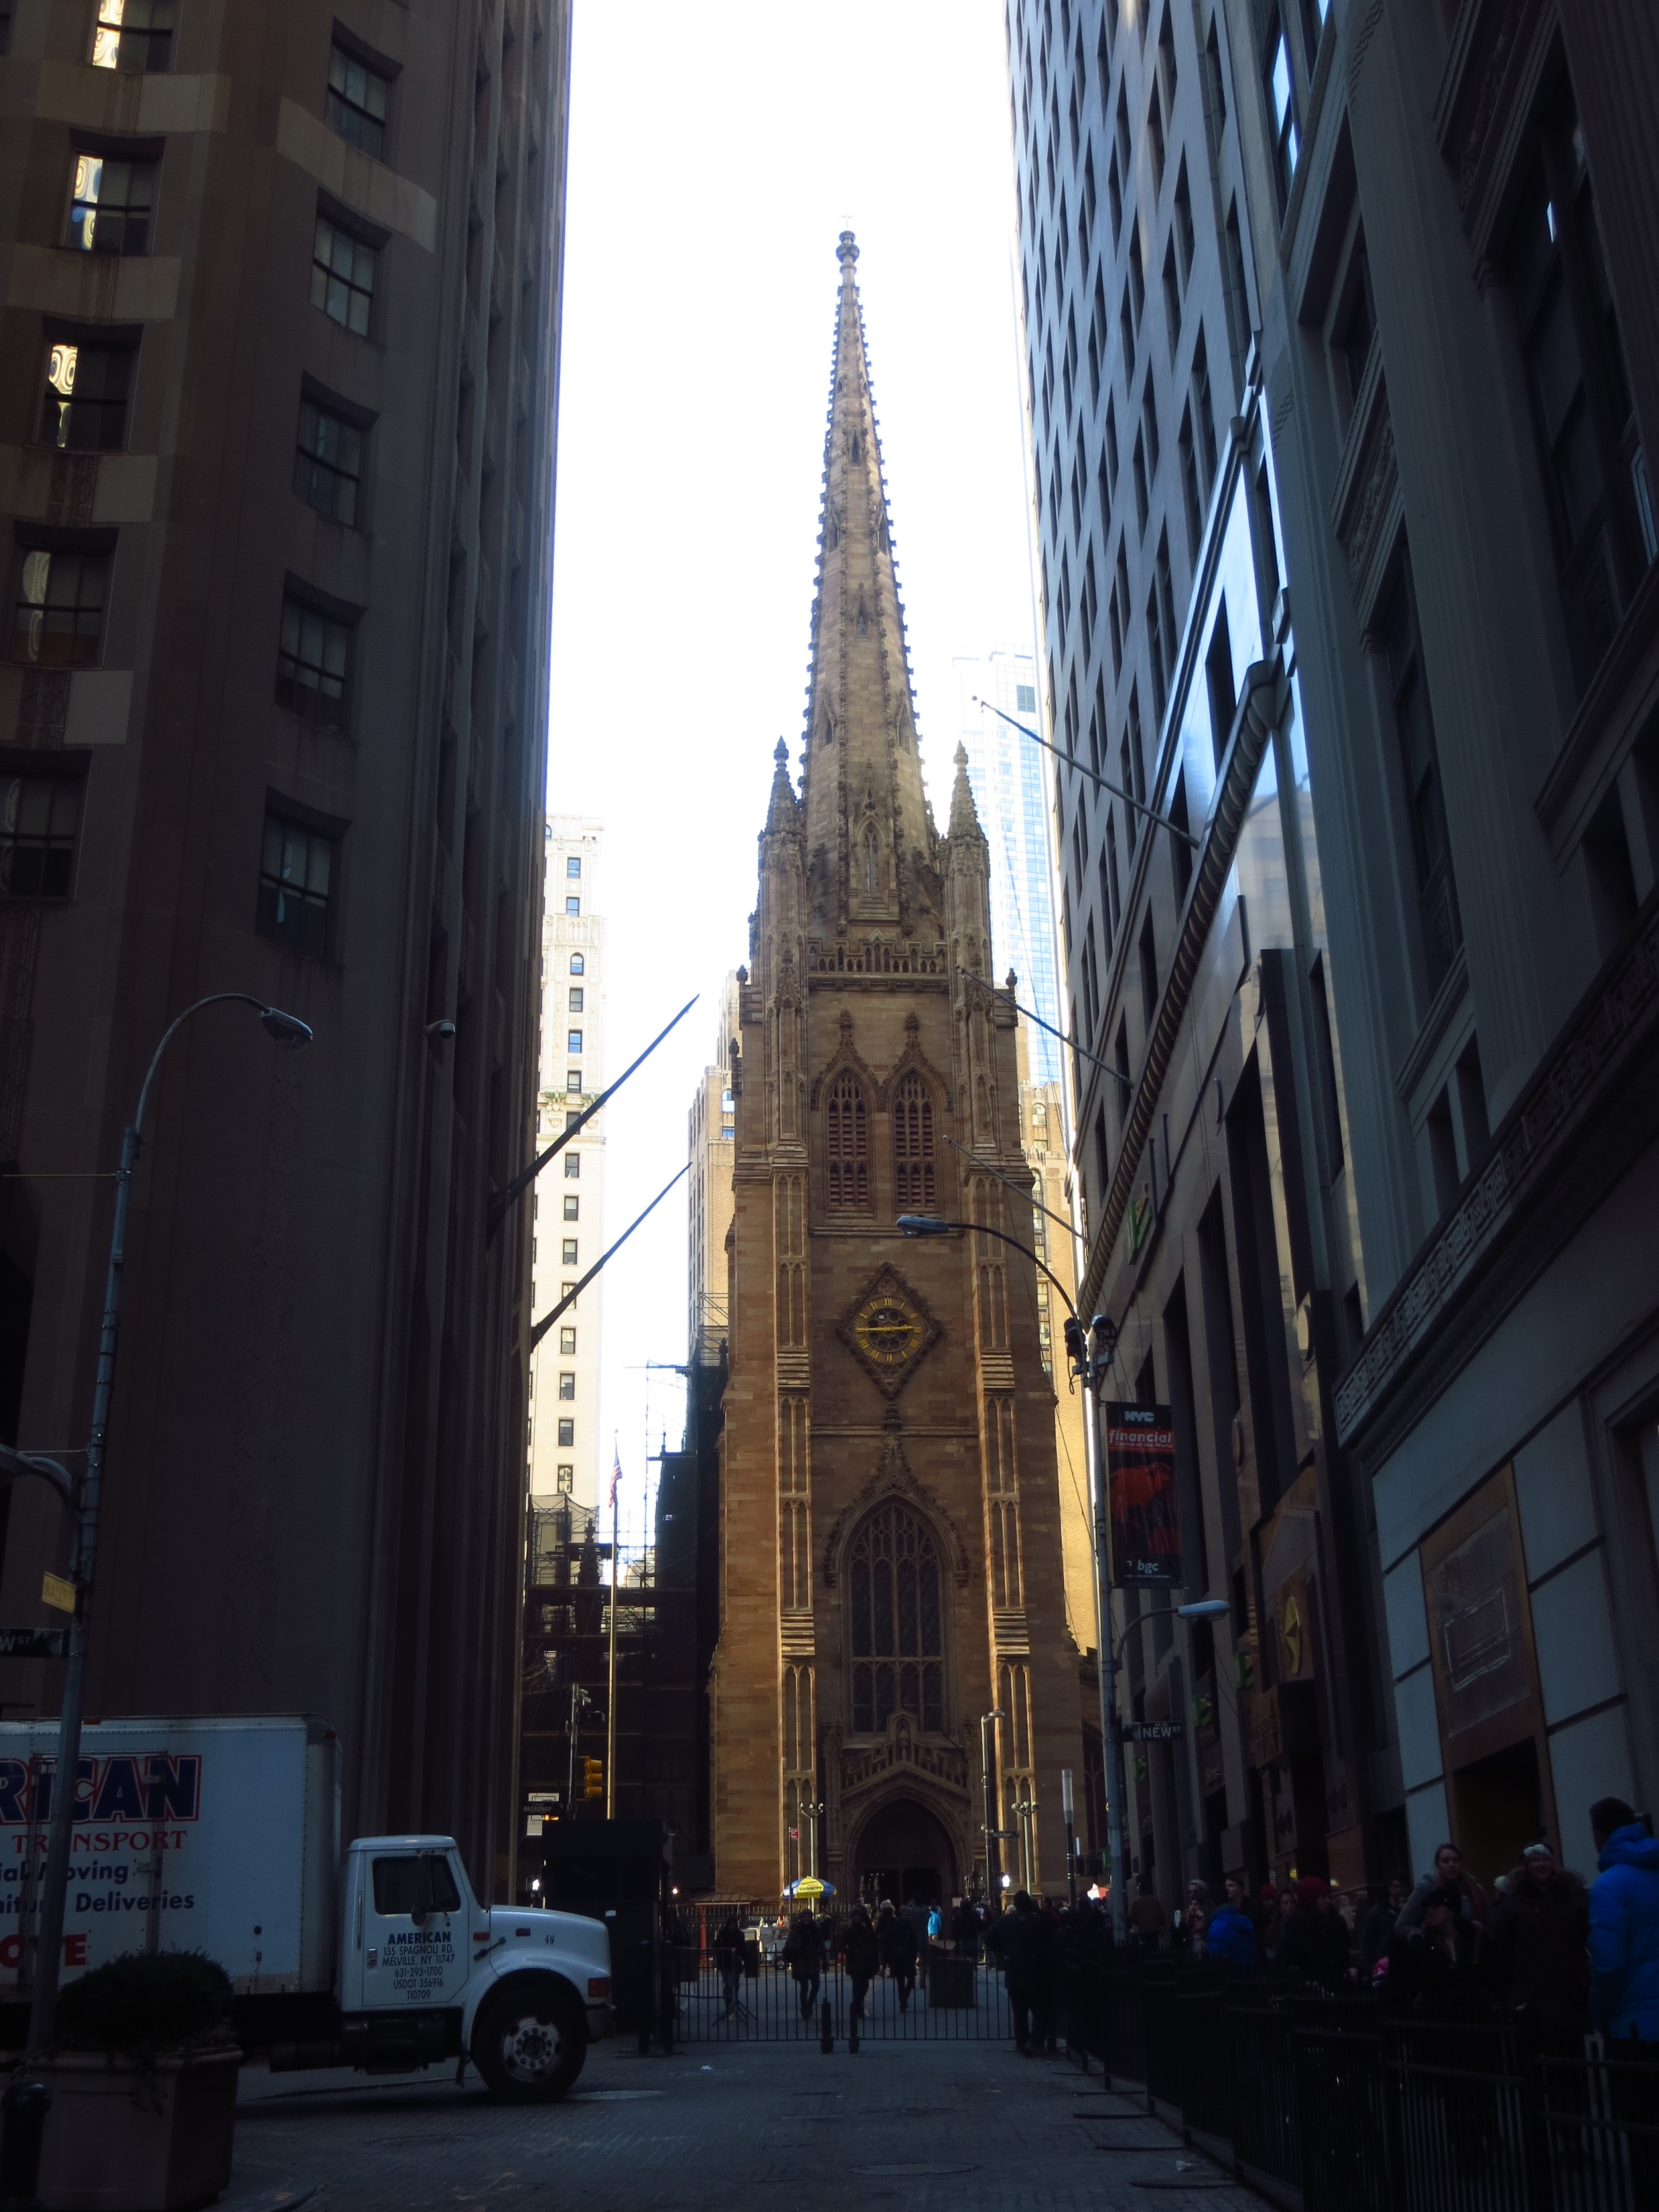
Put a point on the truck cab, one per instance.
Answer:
(426, 1973)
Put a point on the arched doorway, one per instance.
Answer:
(904, 1853)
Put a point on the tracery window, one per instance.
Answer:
(847, 1146)
(913, 1183)
(897, 1631)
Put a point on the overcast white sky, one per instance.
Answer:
(716, 151)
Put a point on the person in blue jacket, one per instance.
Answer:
(1231, 1935)
(1624, 1925)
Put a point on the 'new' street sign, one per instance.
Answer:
(34, 1642)
(1152, 1731)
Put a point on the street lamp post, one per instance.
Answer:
(991, 1830)
(1071, 1840)
(83, 1500)
(1022, 1811)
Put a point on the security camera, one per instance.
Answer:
(445, 1029)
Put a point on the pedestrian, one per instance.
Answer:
(1624, 1925)
(1024, 1940)
(1449, 1874)
(901, 1957)
(1147, 1918)
(1281, 1908)
(1436, 1962)
(1624, 1992)
(728, 1957)
(965, 1929)
(803, 1953)
(1539, 1947)
(1196, 1910)
(1235, 1896)
(1378, 1924)
(862, 1953)
(916, 1913)
(1231, 1935)
(1313, 1952)
(886, 1919)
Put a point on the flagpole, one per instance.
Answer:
(611, 1700)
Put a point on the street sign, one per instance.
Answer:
(1152, 1731)
(58, 1590)
(34, 1642)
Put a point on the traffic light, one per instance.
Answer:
(592, 1778)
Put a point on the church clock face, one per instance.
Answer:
(887, 1330)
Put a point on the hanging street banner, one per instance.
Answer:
(1141, 1485)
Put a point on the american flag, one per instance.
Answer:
(616, 1474)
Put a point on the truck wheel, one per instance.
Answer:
(529, 2042)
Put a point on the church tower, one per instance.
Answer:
(890, 1545)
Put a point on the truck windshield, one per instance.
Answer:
(399, 1887)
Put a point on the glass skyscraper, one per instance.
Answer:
(1005, 770)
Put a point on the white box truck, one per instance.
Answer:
(222, 1836)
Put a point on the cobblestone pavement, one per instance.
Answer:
(969, 2125)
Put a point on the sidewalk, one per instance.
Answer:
(968, 2126)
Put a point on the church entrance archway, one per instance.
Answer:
(904, 1853)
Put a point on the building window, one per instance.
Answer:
(1425, 806)
(296, 886)
(568, 1257)
(57, 619)
(133, 36)
(110, 207)
(85, 408)
(573, 1041)
(1596, 472)
(897, 1623)
(566, 1435)
(1025, 698)
(39, 815)
(914, 1190)
(578, 965)
(573, 1082)
(356, 102)
(567, 1290)
(567, 1385)
(314, 665)
(573, 1167)
(573, 906)
(567, 1343)
(343, 276)
(847, 1147)
(576, 1000)
(573, 867)
(572, 1207)
(328, 466)
(1281, 101)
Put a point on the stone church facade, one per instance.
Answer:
(890, 1566)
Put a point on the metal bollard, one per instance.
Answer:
(826, 2028)
(23, 2111)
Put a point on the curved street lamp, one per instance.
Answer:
(80, 1500)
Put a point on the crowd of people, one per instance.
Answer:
(1545, 1948)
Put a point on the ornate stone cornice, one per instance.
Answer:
(1591, 1109)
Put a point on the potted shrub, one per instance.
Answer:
(143, 2078)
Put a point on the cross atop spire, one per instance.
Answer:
(869, 840)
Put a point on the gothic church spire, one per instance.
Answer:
(870, 842)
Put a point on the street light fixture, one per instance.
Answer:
(82, 1499)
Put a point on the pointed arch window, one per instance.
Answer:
(870, 862)
(853, 452)
(847, 1147)
(895, 1591)
(915, 1184)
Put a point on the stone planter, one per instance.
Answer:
(119, 2140)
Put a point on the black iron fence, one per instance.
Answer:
(753, 1993)
(1327, 2105)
